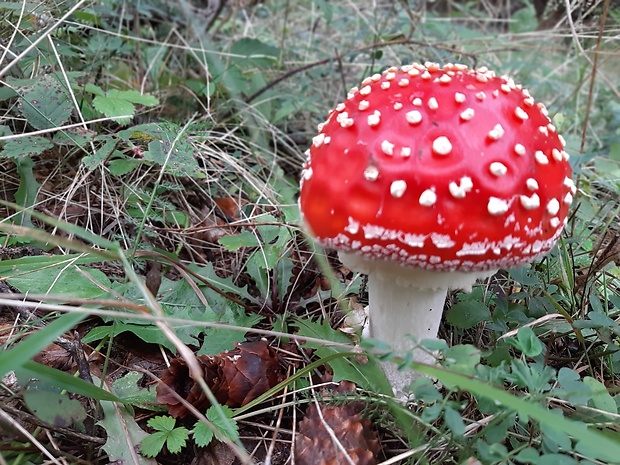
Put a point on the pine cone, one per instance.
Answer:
(315, 446)
(236, 378)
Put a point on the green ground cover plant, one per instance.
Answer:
(160, 301)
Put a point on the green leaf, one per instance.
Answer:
(64, 380)
(165, 147)
(454, 421)
(367, 375)
(527, 342)
(147, 331)
(527, 455)
(467, 314)
(236, 241)
(152, 444)
(70, 282)
(575, 390)
(123, 166)
(123, 433)
(77, 137)
(27, 264)
(27, 146)
(174, 438)
(134, 96)
(601, 399)
(102, 153)
(120, 110)
(222, 420)
(218, 340)
(203, 434)
(45, 104)
(523, 20)
(178, 159)
(54, 408)
(462, 358)
(614, 151)
(557, 459)
(93, 89)
(162, 423)
(603, 447)
(28, 190)
(252, 52)
(127, 389)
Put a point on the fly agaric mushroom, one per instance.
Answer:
(428, 178)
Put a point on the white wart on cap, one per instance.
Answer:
(441, 168)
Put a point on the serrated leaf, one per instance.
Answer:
(225, 284)
(176, 439)
(147, 332)
(203, 434)
(54, 408)
(153, 444)
(165, 148)
(225, 426)
(173, 437)
(162, 423)
(77, 137)
(120, 110)
(218, 340)
(134, 96)
(45, 104)
(178, 159)
(467, 314)
(27, 146)
(103, 152)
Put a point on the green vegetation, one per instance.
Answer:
(150, 154)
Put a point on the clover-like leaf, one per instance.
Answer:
(166, 434)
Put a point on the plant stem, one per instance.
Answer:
(406, 302)
(402, 315)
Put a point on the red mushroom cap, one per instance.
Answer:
(438, 168)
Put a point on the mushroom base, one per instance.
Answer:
(406, 302)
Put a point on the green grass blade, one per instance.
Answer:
(72, 229)
(66, 381)
(19, 355)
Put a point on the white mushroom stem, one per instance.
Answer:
(406, 302)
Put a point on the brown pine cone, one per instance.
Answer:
(236, 378)
(315, 446)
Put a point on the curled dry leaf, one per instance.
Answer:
(314, 445)
(235, 377)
